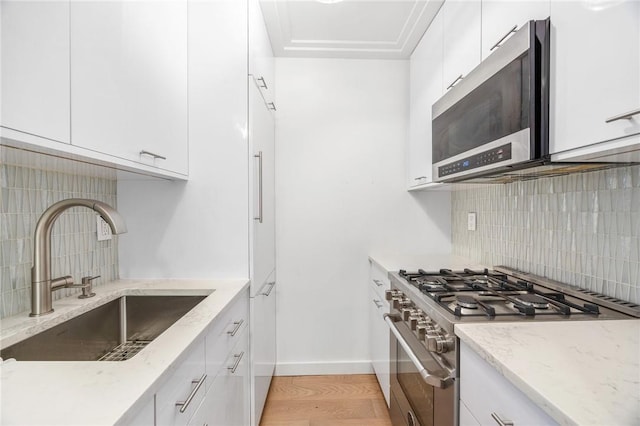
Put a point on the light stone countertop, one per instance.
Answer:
(578, 372)
(393, 262)
(103, 393)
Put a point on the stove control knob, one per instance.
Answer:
(414, 317)
(390, 294)
(423, 328)
(439, 343)
(406, 313)
(401, 302)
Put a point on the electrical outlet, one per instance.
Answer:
(103, 229)
(471, 221)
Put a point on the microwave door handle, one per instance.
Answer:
(429, 378)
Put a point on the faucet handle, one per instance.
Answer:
(87, 287)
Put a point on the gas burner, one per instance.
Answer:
(467, 302)
(532, 300)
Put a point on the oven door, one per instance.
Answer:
(422, 392)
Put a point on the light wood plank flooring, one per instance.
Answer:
(353, 400)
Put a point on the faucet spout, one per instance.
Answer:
(41, 282)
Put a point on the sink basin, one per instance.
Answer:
(115, 331)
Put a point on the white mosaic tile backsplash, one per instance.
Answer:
(29, 183)
(581, 229)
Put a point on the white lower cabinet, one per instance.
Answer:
(378, 329)
(211, 386)
(183, 387)
(227, 400)
(486, 396)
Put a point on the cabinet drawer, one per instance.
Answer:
(379, 278)
(178, 388)
(224, 334)
(485, 391)
(227, 401)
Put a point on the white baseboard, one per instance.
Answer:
(323, 368)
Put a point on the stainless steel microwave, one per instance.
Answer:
(497, 117)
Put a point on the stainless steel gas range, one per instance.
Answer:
(425, 306)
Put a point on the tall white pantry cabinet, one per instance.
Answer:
(179, 89)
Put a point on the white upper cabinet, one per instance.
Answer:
(35, 68)
(462, 23)
(129, 80)
(500, 19)
(425, 76)
(595, 72)
(261, 62)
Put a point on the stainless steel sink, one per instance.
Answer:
(115, 331)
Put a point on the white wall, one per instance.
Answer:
(340, 195)
(199, 229)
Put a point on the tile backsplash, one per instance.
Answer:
(31, 182)
(581, 229)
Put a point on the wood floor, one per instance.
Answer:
(354, 400)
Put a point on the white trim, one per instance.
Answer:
(315, 368)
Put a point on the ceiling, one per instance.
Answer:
(372, 29)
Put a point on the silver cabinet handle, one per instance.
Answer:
(420, 178)
(238, 358)
(377, 303)
(500, 421)
(264, 83)
(151, 154)
(512, 30)
(272, 106)
(625, 116)
(184, 405)
(378, 283)
(440, 379)
(236, 328)
(271, 286)
(460, 77)
(259, 157)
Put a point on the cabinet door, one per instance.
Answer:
(263, 346)
(262, 143)
(129, 80)
(261, 63)
(35, 67)
(179, 386)
(379, 341)
(425, 74)
(227, 401)
(461, 39)
(483, 391)
(595, 72)
(500, 19)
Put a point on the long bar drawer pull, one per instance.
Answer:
(185, 404)
(512, 30)
(420, 178)
(259, 157)
(378, 283)
(237, 324)
(460, 77)
(238, 358)
(500, 421)
(272, 106)
(264, 83)
(377, 303)
(440, 379)
(625, 116)
(151, 154)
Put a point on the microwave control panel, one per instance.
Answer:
(492, 156)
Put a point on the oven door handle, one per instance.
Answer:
(433, 379)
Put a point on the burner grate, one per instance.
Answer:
(125, 351)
